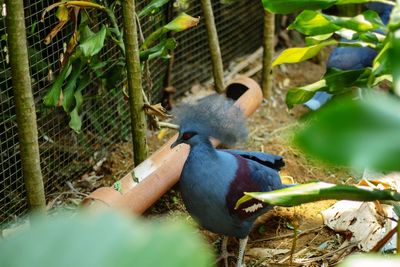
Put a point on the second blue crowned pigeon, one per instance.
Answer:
(213, 180)
(351, 58)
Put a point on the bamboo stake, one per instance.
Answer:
(268, 44)
(138, 119)
(24, 105)
(213, 43)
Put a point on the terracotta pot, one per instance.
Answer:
(157, 174)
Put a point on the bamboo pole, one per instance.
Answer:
(24, 105)
(213, 43)
(268, 45)
(138, 119)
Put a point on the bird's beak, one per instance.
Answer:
(177, 142)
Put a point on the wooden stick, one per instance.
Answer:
(213, 43)
(134, 77)
(24, 105)
(268, 43)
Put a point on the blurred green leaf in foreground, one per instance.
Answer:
(367, 260)
(103, 241)
(361, 133)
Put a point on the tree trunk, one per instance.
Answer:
(268, 44)
(138, 119)
(215, 51)
(24, 104)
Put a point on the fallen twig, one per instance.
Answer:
(244, 64)
(318, 258)
(168, 125)
(299, 233)
(384, 240)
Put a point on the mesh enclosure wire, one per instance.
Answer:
(65, 155)
(240, 28)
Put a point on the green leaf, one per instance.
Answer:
(75, 122)
(69, 99)
(382, 78)
(394, 55)
(153, 37)
(371, 259)
(367, 21)
(182, 22)
(311, 192)
(291, 6)
(302, 94)
(339, 81)
(316, 39)
(313, 23)
(85, 32)
(105, 240)
(381, 63)
(394, 22)
(357, 44)
(98, 66)
(371, 37)
(62, 13)
(334, 81)
(93, 44)
(299, 54)
(346, 2)
(52, 97)
(160, 50)
(359, 134)
(152, 7)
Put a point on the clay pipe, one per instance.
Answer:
(157, 174)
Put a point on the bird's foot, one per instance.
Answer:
(224, 256)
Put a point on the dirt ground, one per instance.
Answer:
(272, 241)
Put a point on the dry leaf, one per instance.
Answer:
(54, 31)
(156, 110)
(266, 252)
(163, 132)
(360, 219)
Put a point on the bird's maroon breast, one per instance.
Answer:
(243, 182)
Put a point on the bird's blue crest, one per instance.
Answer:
(213, 116)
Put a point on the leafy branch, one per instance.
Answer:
(85, 45)
(321, 30)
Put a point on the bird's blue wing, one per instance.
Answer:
(272, 161)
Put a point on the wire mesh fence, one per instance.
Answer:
(105, 121)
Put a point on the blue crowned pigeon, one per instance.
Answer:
(351, 58)
(213, 180)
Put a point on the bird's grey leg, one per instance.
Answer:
(242, 248)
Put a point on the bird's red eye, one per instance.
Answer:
(187, 136)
